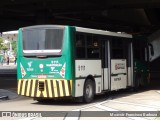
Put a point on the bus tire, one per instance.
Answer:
(88, 91)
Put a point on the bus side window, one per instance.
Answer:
(80, 46)
(119, 48)
(93, 47)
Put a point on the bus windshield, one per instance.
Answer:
(42, 41)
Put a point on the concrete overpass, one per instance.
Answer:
(132, 16)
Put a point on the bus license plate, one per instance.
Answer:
(42, 76)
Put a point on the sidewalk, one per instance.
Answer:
(10, 66)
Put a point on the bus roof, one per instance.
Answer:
(102, 32)
(85, 30)
(43, 26)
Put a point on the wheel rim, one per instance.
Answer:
(89, 91)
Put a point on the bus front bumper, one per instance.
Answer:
(44, 88)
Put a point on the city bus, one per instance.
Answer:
(55, 61)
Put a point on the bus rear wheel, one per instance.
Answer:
(88, 91)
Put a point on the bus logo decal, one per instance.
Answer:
(52, 68)
(41, 66)
(22, 70)
(30, 64)
(119, 66)
(62, 72)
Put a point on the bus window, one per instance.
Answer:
(119, 48)
(93, 47)
(80, 46)
(42, 41)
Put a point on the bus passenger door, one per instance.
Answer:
(106, 65)
(118, 74)
(119, 63)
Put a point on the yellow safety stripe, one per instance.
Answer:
(48, 88)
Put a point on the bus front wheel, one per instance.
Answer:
(88, 91)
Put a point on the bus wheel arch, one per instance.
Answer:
(89, 89)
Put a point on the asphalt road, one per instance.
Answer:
(8, 81)
(142, 101)
(8, 76)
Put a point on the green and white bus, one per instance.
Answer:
(56, 61)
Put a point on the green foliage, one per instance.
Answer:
(2, 45)
(14, 46)
(5, 46)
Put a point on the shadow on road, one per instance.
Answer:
(97, 99)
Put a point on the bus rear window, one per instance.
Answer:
(37, 41)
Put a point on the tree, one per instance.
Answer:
(14, 46)
(3, 46)
(1, 43)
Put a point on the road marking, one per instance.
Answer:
(92, 105)
(111, 109)
(158, 91)
(105, 108)
(31, 118)
(78, 113)
(136, 104)
(4, 97)
(83, 108)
